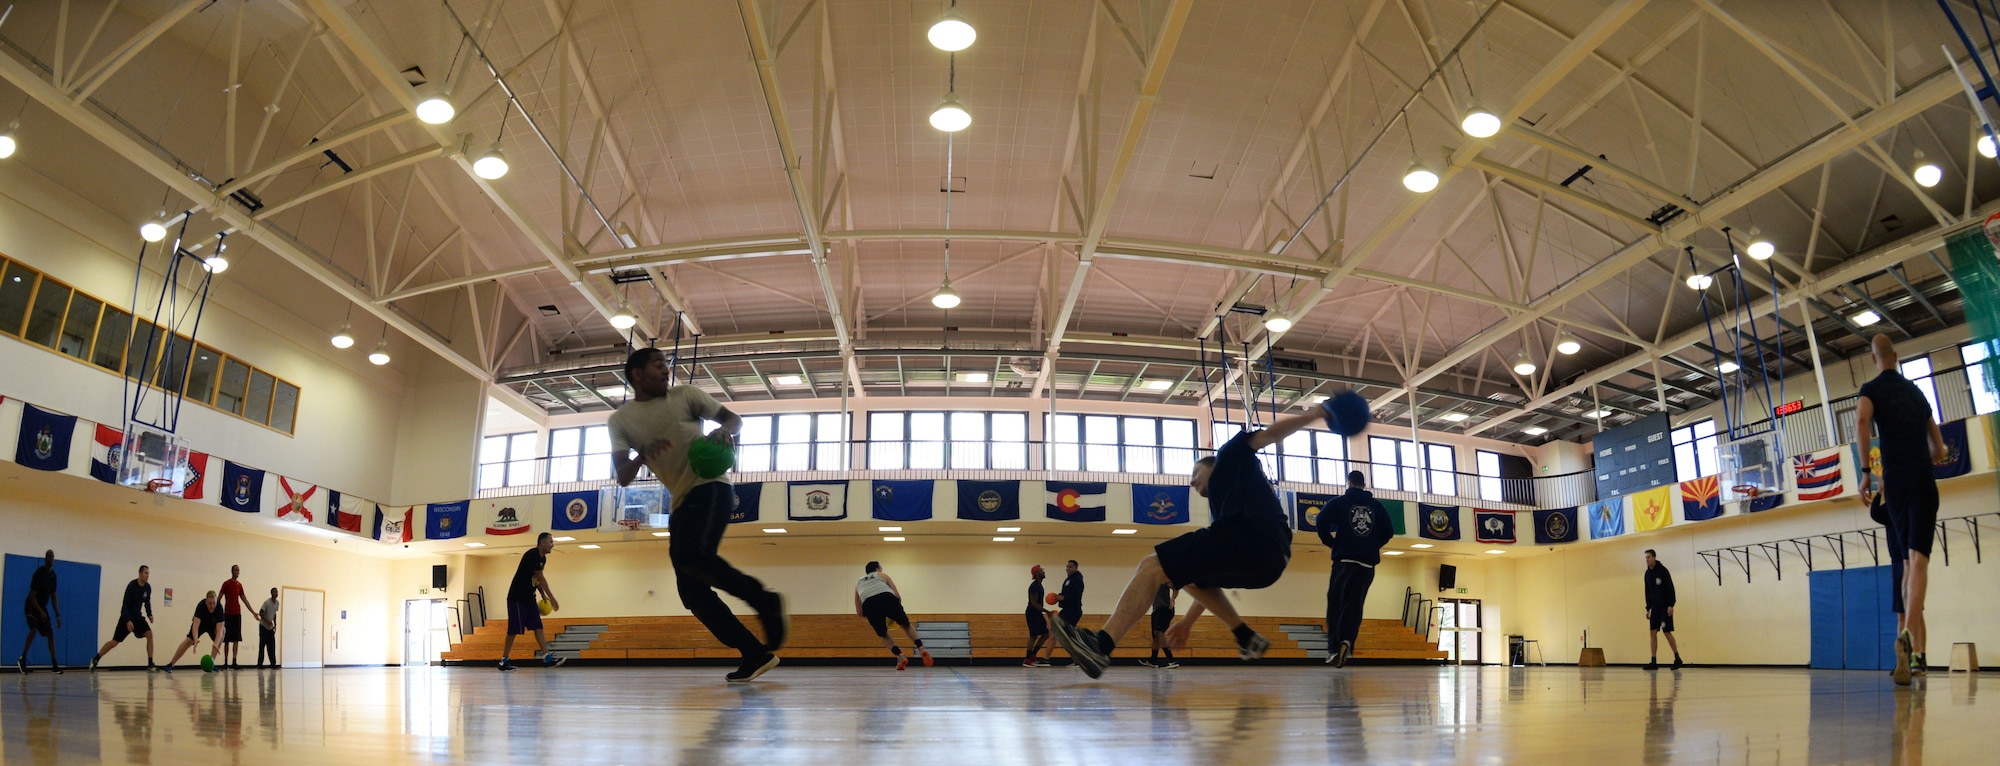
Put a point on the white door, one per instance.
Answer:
(416, 632)
(440, 637)
(302, 627)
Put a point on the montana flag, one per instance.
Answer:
(1653, 508)
(242, 488)
(903, 500)
(1306, 510)
(1076, 500)
(1701, 499)
(446, 521)
(393, 526)
(192, 474)
(1818, 475)
(297, 504)
(1160, 503)
(1395, 509)
(1437, 522)
(1607, 518)
(44, 442)
(1493, 526)
(749, 497)
(106, 454)
(1766, 502)
(573, 510)
(1957, 449)
(1556, 526)
(989, 500)
(341, 512)
(817, 501)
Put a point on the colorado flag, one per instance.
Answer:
(1076, 500)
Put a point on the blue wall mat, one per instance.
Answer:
(1824, 588)
(1862, 608)
(77, 589)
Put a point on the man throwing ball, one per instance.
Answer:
(1247, 544)
(662, 424)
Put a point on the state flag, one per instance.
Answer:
(1958, 453)
(393, 526)
(1701, 499)
(44, 440)
(1306, 510)
(194, 473)
(1160, 503)
(343, 511)
(749, 502)
(1607, 518)
(107, 454)
(1653, 509)
(1493, 526)
(510, 516)
(242, 488)
(446, 521)
(1440, 522)
(816, 501)
(903, 500)
(1076, 500)
(989, 500)
(1555, 526)
(1766, 502)
(1817, 475)
(297, 503)
(1396, 514)
(574, 510)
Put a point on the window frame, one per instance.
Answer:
(1707, 456)
(1121, 450)
(955, 453)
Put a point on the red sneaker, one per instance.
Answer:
(902, 662)
(927, 657)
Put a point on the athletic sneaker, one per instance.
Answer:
(1170, 665)
(753, 667)
(1254, 648)
(552, 661)
(167, 669)
(902, 662)
(926, 654)
(1902, 672)
(151, 668)
(777, 625)
(1148, 663)
(1044, 663)
(1918, 667)
(22, 664)
(93, 664)
(1677, 661)
(1346, 651)
(504, 667)
(1081, 646)
(1029, 664)
(1653, 665)
(56, 669)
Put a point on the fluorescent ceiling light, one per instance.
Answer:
(1003, 539)
(1420, 545)
(1008, 529)
(1727, 367)
(888, 529)
(475, 545)
(1124, 531)
(1866, 318)
(662, 534)
(1534, 430)
(1496, 551)
(590, 546)
(892, 539)
(788, 380)
(1392, 553)
(1453, 417)
(973, 377)
(774, 530)
(1159, 385)
(565, 539)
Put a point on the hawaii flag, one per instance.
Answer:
(1701, 499)
(1818, 475)
(1653, 508)
(393, 526)
(297, 501)
(105, 454)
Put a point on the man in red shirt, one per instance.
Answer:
(233, 603)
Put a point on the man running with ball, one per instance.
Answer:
(662, 424)
(1247, 544)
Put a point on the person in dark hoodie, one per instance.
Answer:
(1355, 526)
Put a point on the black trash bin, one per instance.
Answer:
(1517, 650)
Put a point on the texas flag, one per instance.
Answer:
(1818, 475)
(338, 513)
(392, 526)
(106, 454)
(297, 501)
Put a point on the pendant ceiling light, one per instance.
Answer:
(952, 33)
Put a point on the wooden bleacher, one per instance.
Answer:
(995, 637)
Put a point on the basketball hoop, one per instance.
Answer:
(629, 524)
(156, 485)
(1747, 490)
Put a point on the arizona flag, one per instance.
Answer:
(106, 453)
(1701, 499)
(1076, 500)
(392, 526)
(1818, 475)
(297, 503)
(1653, 509)
(1493, 526)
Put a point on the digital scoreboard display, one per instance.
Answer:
(1788, 408)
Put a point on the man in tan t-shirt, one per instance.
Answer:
(660, 423)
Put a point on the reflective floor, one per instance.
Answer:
(825, 716)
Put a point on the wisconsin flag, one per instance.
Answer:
(1306, 510)
(1160, 503)
(1607, 518)
(1493, 526)
(393, 526)
(574, 510)
(1440, 522)
(1556, 526)
(343, 511)
(44, 441)
(193, 475)
(1653, 508)
(106, 454)
(903, 500)
(297, 504)
(749, 499)
(989, 500)
(446, 521)
(816, 501)
(1076, 500)
(1818, 475)
(1701, 499)
(242, 488)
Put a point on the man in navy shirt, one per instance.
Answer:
(1911, 444)
(1247, 544)
(40, 604)
(1355, 526)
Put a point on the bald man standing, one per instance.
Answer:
(1911, 443)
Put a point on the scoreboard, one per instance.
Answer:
(1633, 457)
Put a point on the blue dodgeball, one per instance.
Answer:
(1346, 413)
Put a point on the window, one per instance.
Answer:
(1394, 465)
(507, 460)
(284, 406)
(80, 328)
(1121, 444)
(16, 287)
(1695, 453)
(1441, 463)
(201, 375)
(109, 353)
(1985, 391)
(258, 405)
(45, 316)
(1918, 371)
(935, 440)
(1487, 465)
(581, 454)
(235, 375)
(1313, 457)
(792, 442)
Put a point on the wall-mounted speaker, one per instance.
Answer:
(1447, 577)
(438, 576)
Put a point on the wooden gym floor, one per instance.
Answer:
(958, 715)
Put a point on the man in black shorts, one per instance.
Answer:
(1911, 444)
(135, 611)
(877, 600)
(1070, 603)
(207, 621)
(1354, 527)
(1163, 618)
(1660, 608)
(1038, 619)
(1247, 544)
(41, 602)
(523, 614)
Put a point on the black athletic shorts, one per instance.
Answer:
(523, 616)
(1226, 554)
(1912, 498)
(1038, 623)
(38, 625)
(139, 629)
(882, 609)
(211, 631)
(1660, 620)
(1162, 621)
(232, 628)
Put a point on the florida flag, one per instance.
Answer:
(393, 526)
(1818, 475)
(1701, 499)
(297, 501)
(105, 454)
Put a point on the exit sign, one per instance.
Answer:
(1788, 408)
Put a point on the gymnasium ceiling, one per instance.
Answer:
(1134, 169)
